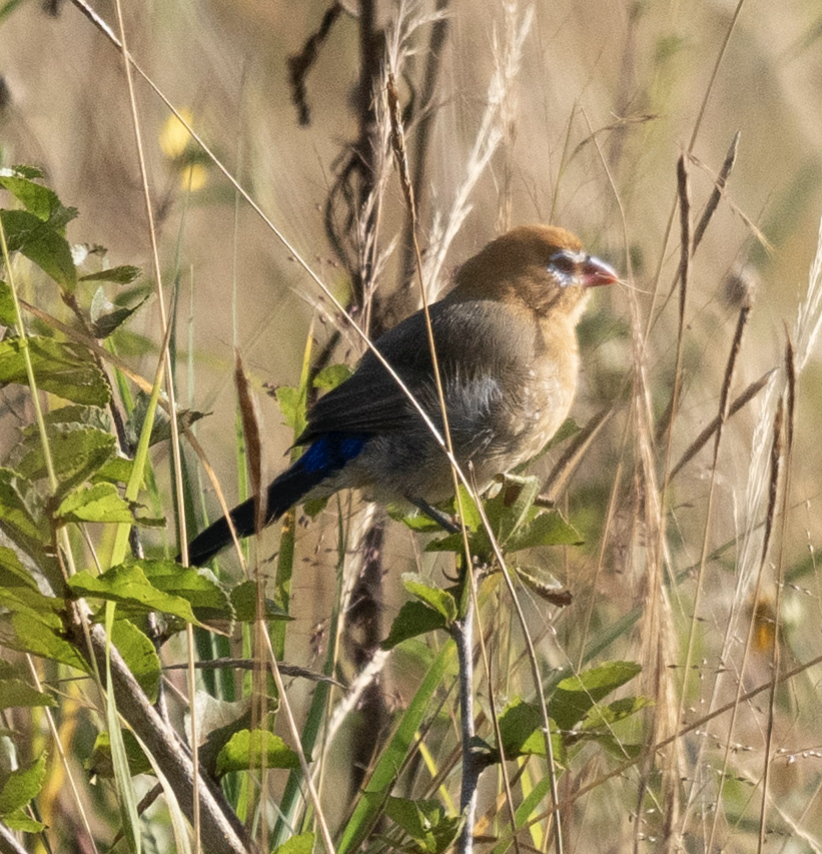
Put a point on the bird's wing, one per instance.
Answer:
(371, 401)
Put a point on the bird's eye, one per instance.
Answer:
(563, 263)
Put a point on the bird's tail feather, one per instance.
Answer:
(323, 458)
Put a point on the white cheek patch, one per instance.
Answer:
(564, 265)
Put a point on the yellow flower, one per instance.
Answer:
(174, 137)
(176, 144)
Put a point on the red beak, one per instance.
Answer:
(595, 272)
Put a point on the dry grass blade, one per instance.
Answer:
(790, 395)
(719, 186)
(684, 192)
(619, 124)
(573, 455)
(704, 437)
(250, 416)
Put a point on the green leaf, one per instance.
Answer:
(8, 315)
(12, 571)
(124, 275)
(27, 632)
(197, 586)
(106, 318)
(101, 763)
(22, 785)
(115, 470)
(541, 582)
(77, 453)
(521, 728)
(42, 244)
(425, 821)
(19, 819)
(47, 610)
(546, 529)
(441, 601)
(416, 521)
(415, 618)
(292, 405)
(100, 503)
(249, 749)
(576, 695)
(16, 692)
(64, 369)
(332, 376)
(244, 602)
(35, 198)
(302, 843)
(128, 585)
(619, 710)
(140, 655)
(21, 515)
(30, 172)
(76, 415)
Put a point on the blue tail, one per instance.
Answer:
(324, 457)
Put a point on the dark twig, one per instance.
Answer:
(299, 64)
(422, 135)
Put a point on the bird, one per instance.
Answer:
(505, 338)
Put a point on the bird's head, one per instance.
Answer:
(541, 267)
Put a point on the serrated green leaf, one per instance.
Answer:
(115, 470)
(75, 414)
(197, 586)
(301, 843)
(440, 600)
(42, 243)
(35, 198)
(250, 749)
(331, 376)
(99, 503)
(12, 572)
(576, 695)
(28, 632)
(47, 610)
(20, 821)
(128, 585)
(415, 618)
(64, 369)
(77, 453)
(106, 317)
(425, 821)
(546, 529)
(512, 506)
(21, 514)
(16, 692)
(292, 406)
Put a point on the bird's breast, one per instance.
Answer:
(542, 402)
